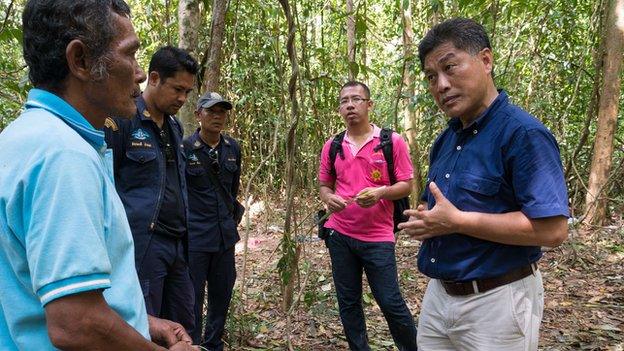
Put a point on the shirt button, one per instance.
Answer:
(458, 147)
(475, 131)
(433, 260)
(447, 176)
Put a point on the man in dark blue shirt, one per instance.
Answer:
(213, 179)
(496, 193)
(149, 177)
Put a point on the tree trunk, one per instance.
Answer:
(212, 75)
(189, 21)
(351, 40)
(410, 117)
(596, 199)
(363, 44)
(287, 241)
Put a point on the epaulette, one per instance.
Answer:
(111, 124)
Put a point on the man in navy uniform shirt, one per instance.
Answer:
(496, 193)
(213, 180)
(149, 177)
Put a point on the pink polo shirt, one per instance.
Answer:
(361, 169)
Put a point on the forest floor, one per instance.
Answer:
(583, 279)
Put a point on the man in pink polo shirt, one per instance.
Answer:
(359, 196)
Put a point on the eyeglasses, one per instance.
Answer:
(165, 143)
(355, 100)
(213, 157)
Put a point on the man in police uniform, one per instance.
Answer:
(213, 179)
(149, 177)
(496, 194)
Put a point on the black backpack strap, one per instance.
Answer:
(336, 148)
(386, 147)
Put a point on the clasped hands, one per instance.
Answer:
(366, 198)
(170, 334)
(442, 219)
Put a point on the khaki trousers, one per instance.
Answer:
(506, 318)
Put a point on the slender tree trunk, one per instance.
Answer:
(363, 43)
(410, 117)
(596, 200)
(189, 21)
(351, 40)
(288, 242)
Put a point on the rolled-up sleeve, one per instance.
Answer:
(537, 174)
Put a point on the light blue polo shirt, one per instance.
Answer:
(63, 228)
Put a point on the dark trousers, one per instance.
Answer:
(219, 271)
(166, 282)
(349, 258)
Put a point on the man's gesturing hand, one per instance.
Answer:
(442, 219)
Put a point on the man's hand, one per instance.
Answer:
(183, 346)
(440, 220)
(335, 203)
(367, 197)
(167, 333)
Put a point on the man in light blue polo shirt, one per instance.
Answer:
(67, 274)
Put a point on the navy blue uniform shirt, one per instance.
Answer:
(211, 225)
(140, 171)
(505, 161)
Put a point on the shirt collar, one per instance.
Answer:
(484, 118)
(39, 98)
(376, 134)
(197, 142)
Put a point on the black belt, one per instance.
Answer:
(483, 285)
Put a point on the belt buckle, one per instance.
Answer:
(475, 287)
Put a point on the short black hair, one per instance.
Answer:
(49, 25)
(355, 83)
(169, 60)
(464, 33)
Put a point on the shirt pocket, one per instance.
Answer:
(477, 192)
(228, 171)
(141, 156)
(196, 177)
(377, 170)
(142, 165)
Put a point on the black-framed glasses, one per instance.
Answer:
(356, 100)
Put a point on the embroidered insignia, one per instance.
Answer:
(140, 134)
(376, 175)
(110, 123)
(193, 158)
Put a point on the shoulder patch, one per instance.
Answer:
(110, 123)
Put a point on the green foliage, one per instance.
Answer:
(544, 57)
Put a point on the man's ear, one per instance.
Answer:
(487, 58)
(153, 79)
(75, 54)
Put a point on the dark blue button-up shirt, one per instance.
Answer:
(140, 172)
(503, 162)
(211, 225)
